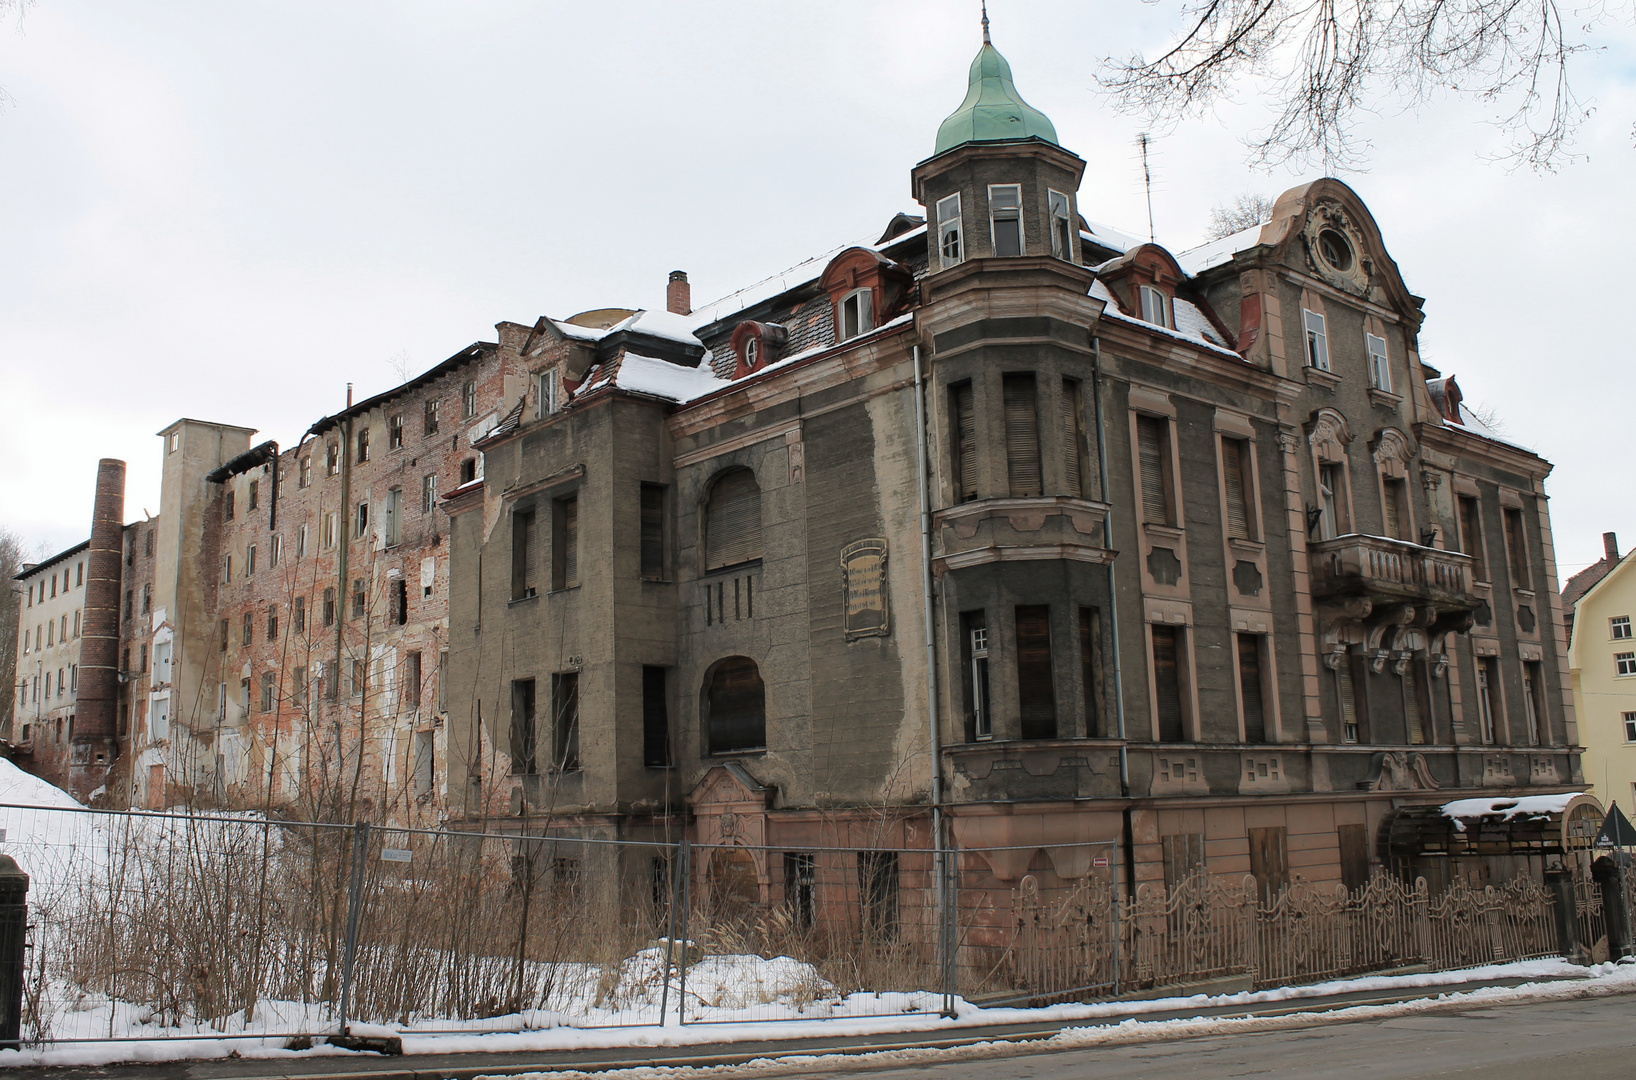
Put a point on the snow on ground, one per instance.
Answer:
(737, 1016)
(48, 833)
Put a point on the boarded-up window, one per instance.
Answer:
(1073, 438)
(1235, 464)
(565, 719)
(523, 760)
(653, 531)
(1153, 452)
(655, 719)
(565, 543)
(1269, 861)
(1395, 493)
(1414, 717)
(1022, 435)
(737, 703)
(1035, 692)
(1090, 668)
(1184, 857)
(1167, 683)
(732, 521)
(1249, 688)
(1351, 729)
(963, 417)
(1471, 536)
(1354, 841)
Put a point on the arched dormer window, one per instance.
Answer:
(735, 702)
(755, 345)
(865, 288)
(732, 520)
(1156, 307)
(856, 315)
(752, 353)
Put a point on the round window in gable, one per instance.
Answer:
(752, 353)
(1335, 249)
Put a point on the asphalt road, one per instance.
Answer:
(1555, 1040)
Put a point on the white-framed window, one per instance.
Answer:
(428, 493)
(250, 561)
(301, 542)
(175, 441)
(1619, 626)
(1380, 370)
(752, 353)
(394, 517)
(331, 521)
(1624, 663)
(1486, 678)
(275, 552)
(950, 241)
(1005, 218)
(227, 569)
(548, 387)
(1062, 225)
(982, 722)
(304, 477)
(857, 312)
(1154, 307)
(1630, 726)
(1317, 339)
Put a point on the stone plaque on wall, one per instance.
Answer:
(863, 576)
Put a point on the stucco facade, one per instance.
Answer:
(1602, 659)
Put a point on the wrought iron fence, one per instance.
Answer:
(222, 927)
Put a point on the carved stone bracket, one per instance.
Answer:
(1399, 770)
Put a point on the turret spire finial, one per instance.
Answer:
(986, 41)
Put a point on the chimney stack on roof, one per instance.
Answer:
(1610, 547)
(679, 294)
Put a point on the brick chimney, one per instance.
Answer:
(678, 294)
(94, 747)
(1610, 547)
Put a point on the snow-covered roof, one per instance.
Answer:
(660, 378)
(1506, 809)
(1197, 260)
(581, 333)
(1193, 327)
(1110, 237)
(1464, 419)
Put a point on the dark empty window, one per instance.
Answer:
(1022, 435)
(468, 470)
(1090, 664)
(1153, 452)
(565, 720)
(1167, 683)
(736, 700)
(522, 554)
(329, 606)
(878, 894)
(733, 520)
(1516, 548)
(360, 598)
(400, 601)
(1395, 499)
(1035, 693)
(963, 417)
(523, 759)
(1235, 467)
(653, 531)
(411, 680)
(1471, 536)
(565, 542)
(1249, 688)
(655, 719)
(801, 887)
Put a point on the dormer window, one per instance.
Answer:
(1062, 234)
(949, 241)
(752, 353)
(1005, 218)
(549, 393)
(1155, 308)
(856, 314)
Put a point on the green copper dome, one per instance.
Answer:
(993, 110)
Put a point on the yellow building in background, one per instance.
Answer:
(1602, 661)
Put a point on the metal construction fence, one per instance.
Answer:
(147, 925)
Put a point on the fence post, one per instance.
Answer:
(1565, 906)
(1610, 880)
(949, 864)
(684, 870)
(1118, 922)
(13, 940)
(355, 904)
(670, 935)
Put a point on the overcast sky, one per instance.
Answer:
(229, 210)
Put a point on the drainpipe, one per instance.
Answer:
(1113, 614)
(343, 537)
(931, 656)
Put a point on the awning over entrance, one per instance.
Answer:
(1528, 825)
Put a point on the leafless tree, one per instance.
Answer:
(1247, 210)
(1327, 61)
(11, 563)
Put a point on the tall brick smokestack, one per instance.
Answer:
(95, 746)
(679, 294)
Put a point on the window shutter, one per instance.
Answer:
(1022, 436)
(570, 541)
(1073, 437)
(1035, 691)
(1167, 684)
(733, 521)
(1471, 537)
(1234, 456)
(653, 531)
(965, 443)
(1349, 706)
(1249, 681)
(1150, 439)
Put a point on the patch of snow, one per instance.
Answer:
(1190, 320)
(661, 324)
(52, 837)
(1506, 809)
(1197, 260)
(1112, 311)
(581, 333)
(1108, 236)
(649, 375)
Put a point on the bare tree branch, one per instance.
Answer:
(1326, 62)
(1247, 210)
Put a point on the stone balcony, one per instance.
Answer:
(1008, 530)
(1386, 571)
